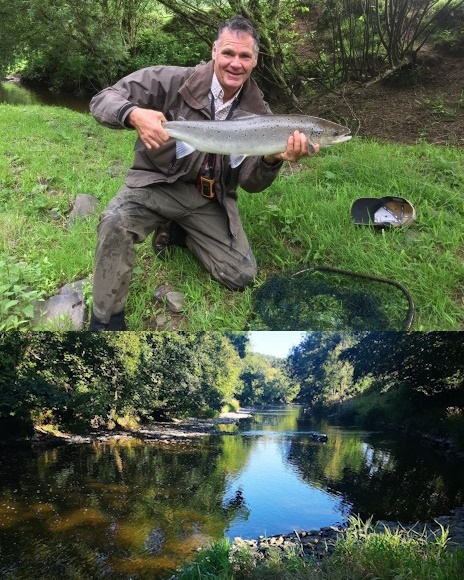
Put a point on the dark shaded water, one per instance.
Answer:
(14, 93)
(134, 510)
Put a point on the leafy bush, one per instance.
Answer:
(449, 37)
(455, 423)
(17, 299)
(369, 553)
(347, 414)
(27, 400)
(69, 70)
(231, 406)
(168, 49)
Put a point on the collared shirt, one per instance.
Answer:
(221, 109)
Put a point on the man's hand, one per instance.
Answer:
(148, 124)
(297, 147)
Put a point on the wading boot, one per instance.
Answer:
(117, 322)
(165, 237)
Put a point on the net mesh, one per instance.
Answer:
(330, 299)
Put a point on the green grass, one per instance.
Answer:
(48, 155)
(363, 553)
(212, 563)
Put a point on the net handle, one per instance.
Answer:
(411, 307)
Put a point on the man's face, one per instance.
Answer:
(234, 59)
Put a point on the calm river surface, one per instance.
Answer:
(14, 93)
(130, 509)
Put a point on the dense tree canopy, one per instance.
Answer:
(98, 379)
(428, 361)
(316, 365)
(305, 45)
(106, 379)
(383, 377)
(265, 381)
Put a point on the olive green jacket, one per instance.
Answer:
(182, 92)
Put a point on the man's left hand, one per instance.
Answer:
(298, 146)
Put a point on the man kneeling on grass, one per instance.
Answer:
(168, 195)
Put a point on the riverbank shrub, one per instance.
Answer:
(328, 43)
(231, 406)
(400, 407)
(454, 423)
(86, 380)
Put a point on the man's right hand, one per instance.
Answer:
(148, 124)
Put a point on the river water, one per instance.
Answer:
(131, 509)
(14, 93)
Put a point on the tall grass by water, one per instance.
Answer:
(49, 155)
(360, 554)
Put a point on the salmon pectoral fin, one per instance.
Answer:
(235, 160)
(183, 149)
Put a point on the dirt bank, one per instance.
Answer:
(426, 103)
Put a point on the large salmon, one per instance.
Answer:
(247, 134)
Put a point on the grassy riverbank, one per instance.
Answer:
(356, 556)
(49, 155)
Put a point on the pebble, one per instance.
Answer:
(172, 298)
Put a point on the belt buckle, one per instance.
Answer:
(207, 187)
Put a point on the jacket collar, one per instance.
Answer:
(195, 92)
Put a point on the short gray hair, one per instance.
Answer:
(239, 24)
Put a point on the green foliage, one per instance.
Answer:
(14, 30)
(88, 46)
(109, 379)
(449, 37)
(95, 42)
(231, 406)
(169, 48)
(431, 363)
(24, 393)
(265, 381)
(17, 299)
(239, 341)
(410, 379)
(399, 554)
(315, 365)
(212, 563)
(359, 40)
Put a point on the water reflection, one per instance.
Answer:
(132, 510)
(107, 511)
(276, 497)
(390, 477)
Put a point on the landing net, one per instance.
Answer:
(322, 298)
